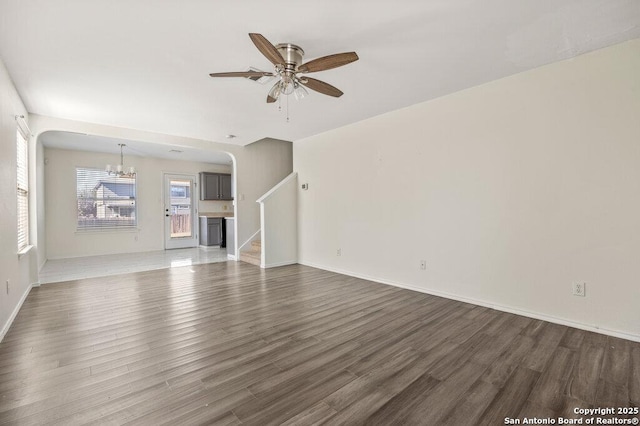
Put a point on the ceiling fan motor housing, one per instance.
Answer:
(291, 54)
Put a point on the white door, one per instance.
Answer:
(180, 214)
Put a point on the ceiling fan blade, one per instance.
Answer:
(267, 49)
(321, 87)
(242, 74)
(328, 62)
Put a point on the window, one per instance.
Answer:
(179, 190)
(23, 189)
(105, 201)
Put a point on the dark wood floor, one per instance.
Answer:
(229, 343)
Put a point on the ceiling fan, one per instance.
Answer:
(290, 71)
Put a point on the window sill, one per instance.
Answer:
(24, 251)
(107, 231)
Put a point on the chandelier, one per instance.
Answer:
(120, 169)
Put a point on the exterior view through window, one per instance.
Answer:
(105, 201)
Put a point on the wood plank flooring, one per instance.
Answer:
(229, 343)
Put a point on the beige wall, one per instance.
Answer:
(510, 191)
(37, 211)
(265, 164)
(21, 272)
(279, 215)
(62, 238)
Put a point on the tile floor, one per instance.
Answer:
(98, 266)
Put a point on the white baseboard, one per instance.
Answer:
(231, 257)
(498, 307)
(6, 327)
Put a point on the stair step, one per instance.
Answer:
(250, 259)
(254, 254)
(251, 256)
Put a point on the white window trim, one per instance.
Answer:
(25, 250)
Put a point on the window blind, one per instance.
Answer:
(105, 201)
(22, 150)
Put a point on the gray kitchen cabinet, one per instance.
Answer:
(225, 187)
(215, 186)
(209, 186)
(210, 231)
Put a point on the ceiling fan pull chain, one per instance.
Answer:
(287, 109)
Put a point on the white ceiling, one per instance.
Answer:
(93, 143)
(144, 64)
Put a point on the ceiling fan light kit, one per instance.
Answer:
(288, 69)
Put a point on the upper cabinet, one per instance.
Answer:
(215, 186)
(225, 187)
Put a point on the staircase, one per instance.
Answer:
(253, 255)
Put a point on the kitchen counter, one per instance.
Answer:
(216, 214)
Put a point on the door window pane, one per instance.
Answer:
(180, 208)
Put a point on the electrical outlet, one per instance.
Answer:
(339, 252)
(423, 265)
(579, 288)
